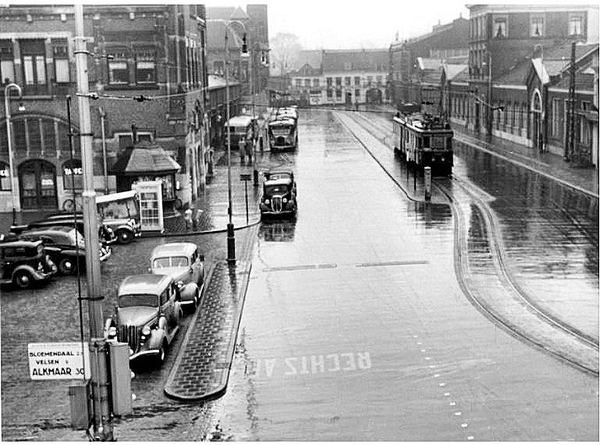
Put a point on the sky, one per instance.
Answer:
(352, 24)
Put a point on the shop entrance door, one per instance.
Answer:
(37, 182)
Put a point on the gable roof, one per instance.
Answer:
(362, 59)
(226, 13)
(215, 35)
(555, 61)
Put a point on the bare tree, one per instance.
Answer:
(285, 50)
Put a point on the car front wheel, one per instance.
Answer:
(162, 354)
(22, 279)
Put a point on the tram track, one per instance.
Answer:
(568, 344)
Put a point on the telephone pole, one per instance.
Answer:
(98, 385)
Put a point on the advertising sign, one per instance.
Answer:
(59, 361)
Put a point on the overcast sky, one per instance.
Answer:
(338, 24)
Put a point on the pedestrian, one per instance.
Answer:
(242, 149)
(187, 216)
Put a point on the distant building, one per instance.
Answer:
(252, 68)
(135, 53)
(408, 60)
(345, 77)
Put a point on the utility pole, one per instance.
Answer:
(570, 136)
(98, 386)
(490, 110)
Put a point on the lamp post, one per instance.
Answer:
(13, 177)
(230, 228)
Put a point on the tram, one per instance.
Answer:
(423, 139)
(282, 128)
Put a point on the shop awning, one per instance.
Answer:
(145, 157)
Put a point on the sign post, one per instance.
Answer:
(246, 178)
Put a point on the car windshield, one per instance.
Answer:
(133, 300)
(276, 189)
(175, 261)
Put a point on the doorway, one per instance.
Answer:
(37, 181)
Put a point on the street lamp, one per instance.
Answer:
(13, 177)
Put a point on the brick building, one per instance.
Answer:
(250, 69)
(135, 53)
(515, 84)
(411, 62)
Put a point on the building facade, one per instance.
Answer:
(147, 70)
(345, 77)
(516, 82)
(411, 62)
(247, 48)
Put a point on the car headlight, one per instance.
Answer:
(179, 284)
(112, 332)
(267, 201)
(285, 200)
(146, 330)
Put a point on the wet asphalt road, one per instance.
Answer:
(354, 328)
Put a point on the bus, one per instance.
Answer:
(239, 126)
(423, 140)
(282, 129)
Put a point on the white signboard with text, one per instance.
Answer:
(59, 361)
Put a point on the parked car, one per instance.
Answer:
(105, 234)
(184, 263)
(147, 315)
(24, 263)
(281, 174)
(279, 196)
(65, 245)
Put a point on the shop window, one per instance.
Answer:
(72, 175)
(4, 177)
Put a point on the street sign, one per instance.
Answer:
(58, 361)
(245, 177)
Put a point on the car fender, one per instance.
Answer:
(25, 267)
(156, 339)
(187, 292)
